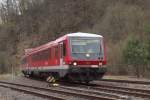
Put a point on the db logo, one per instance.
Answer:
(87, 63)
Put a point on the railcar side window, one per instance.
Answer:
(24, 61)
(56, 52)
(34, 57)
(43, 55)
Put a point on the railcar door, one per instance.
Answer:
(61, 53)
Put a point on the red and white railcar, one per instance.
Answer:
(75, 56)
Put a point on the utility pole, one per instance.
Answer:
(12, 72)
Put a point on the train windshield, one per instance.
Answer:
(84, 45)
(86, 48)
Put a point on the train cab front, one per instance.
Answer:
(87, 59)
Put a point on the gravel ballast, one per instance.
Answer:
(8, 94)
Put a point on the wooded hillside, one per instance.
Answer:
(125, 24)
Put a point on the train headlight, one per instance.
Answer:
(87, 55)
(74, 63)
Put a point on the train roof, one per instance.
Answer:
(77, 34)
(81, 34)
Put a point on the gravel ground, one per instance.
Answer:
(28, 81)
(38, 83)
(132, 78)
(8, 94)
(129, 85)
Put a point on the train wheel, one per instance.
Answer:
(30, 74)
(24, 73)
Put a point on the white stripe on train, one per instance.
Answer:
(54, 67)
(46, 67)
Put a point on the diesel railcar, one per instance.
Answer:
(79, 57)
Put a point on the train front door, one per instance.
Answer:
(61, 53)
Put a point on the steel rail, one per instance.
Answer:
(117, 89)
(126, 91)
(127, 81)
(123, 90)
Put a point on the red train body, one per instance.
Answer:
(76, 56)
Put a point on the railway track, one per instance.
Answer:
(80, 91)
(62, 94)
(125, 91)
(126, 81)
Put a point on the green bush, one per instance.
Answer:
(134, 54)
(148, 52)
(147, 28)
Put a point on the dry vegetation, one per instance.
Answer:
(29, 23)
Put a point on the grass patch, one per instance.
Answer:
(5, 76)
